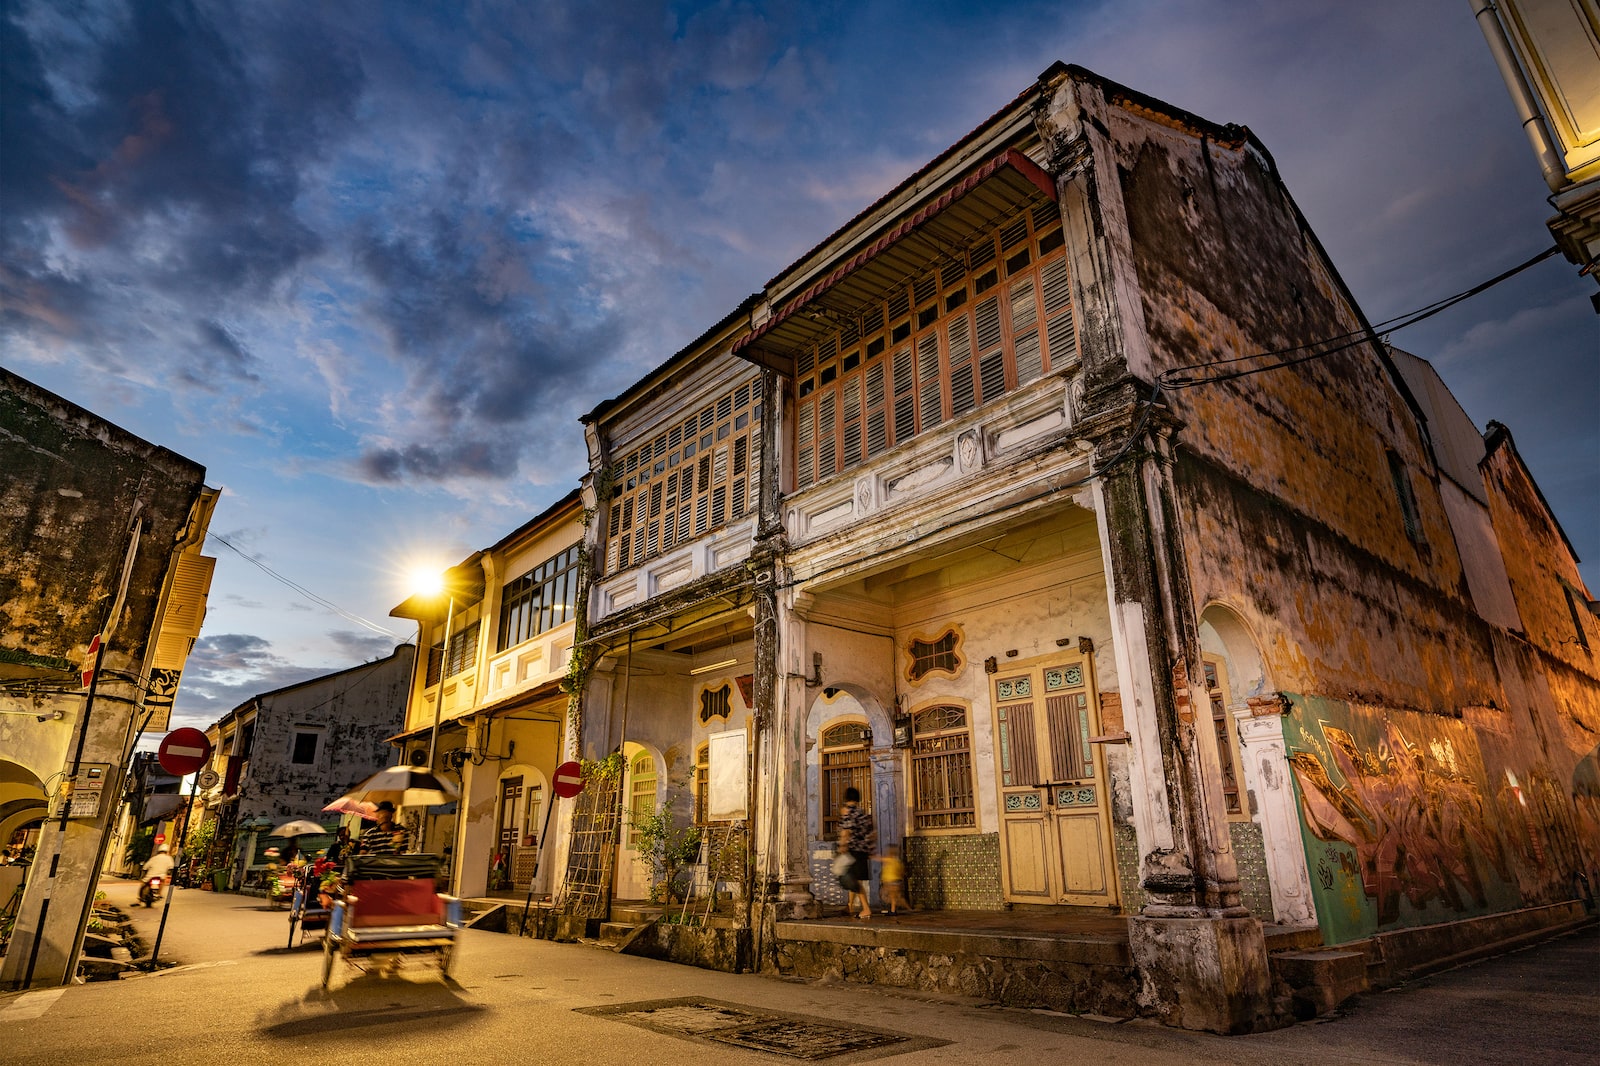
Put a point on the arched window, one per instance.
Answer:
(641, 793)
(845, 764)
(702, 783)
(941, 769)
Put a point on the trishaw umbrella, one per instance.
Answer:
(403, 786)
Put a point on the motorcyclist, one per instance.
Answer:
(158, 865)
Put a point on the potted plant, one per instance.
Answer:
(669, 848)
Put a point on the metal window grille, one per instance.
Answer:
(941, 769)
(845, 764)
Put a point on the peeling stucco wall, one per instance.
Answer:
(1434, 751)
(355, 710)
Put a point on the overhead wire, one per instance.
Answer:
(1183, 378)
(350, 616)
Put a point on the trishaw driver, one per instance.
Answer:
(387, 837)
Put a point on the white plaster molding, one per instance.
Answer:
(1266, 767)
(1008, 438)
(921, 478)
(1152, 818)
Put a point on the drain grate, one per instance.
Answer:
(805, 1040)
(792, 1036)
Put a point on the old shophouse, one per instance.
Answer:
(1064, 503)
(103, 588)
(282, 755)
(487, 702)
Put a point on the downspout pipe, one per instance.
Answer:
(1533, 123)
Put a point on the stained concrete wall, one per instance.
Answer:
(78, 492)
(1433, 748)
(354, 711)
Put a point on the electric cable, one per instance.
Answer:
(1183, 377)
(329, 604)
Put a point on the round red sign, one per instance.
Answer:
(183, 751)
(569, 780)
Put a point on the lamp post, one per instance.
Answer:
(444, 672)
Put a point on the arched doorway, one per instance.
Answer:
(848, 741)
(521, 796)
(644, 777)
(1257, 789)
(23, 807)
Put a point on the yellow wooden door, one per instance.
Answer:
(1055, 837)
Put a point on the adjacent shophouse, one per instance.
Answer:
(488, 702)
(285, 754)
(103, 586)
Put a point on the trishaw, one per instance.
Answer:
(391, 909)
(306, 909)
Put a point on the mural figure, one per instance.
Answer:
(1416, 815)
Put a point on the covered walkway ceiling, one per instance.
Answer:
(984, 554)
(940, 231)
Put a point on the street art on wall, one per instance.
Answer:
(1401, 825)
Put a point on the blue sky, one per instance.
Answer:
(369, 262)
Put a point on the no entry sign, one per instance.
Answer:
(569, 780)
(183, 751)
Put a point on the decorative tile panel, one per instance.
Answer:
(1014, 688)
(1250, 855)
(1023, 801)
(954, 872)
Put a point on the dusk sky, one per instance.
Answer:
(368, 263)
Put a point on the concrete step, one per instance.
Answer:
(616, 931)
(635, 912)
(1292, 937)
(1320, 980)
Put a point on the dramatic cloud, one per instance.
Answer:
(370, 262)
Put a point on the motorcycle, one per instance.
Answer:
(150, 890)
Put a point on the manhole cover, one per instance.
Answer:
(803, 1040)
(793, 1036)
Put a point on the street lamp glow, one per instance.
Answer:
(426, 581)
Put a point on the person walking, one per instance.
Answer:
(855, 837)
(386, 836)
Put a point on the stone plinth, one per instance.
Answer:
(1204, 973)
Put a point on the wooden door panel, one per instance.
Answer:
(1027, 858)
(1083, 868)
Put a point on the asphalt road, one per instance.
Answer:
(240, 996)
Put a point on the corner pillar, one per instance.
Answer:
(1202, 958)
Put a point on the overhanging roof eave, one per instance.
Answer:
(1009, 181)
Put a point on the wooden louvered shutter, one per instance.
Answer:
(805, 445)
(991, 354)
(1024, 309)
(827, 435)
(851, 391)
(877, 425)
(905, 409)
(929, 385)
(1057, 284)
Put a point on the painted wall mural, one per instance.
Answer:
(1401, 824)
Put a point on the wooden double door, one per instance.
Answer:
(1055, 825)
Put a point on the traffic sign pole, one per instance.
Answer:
(172, 882)
(568, 782)
(182, 751)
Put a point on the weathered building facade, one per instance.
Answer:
(285, 754)
(489, 701)
(102, 592)
(1064, 503)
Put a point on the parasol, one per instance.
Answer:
(348, 805)
(403, 786)
(298, 827)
